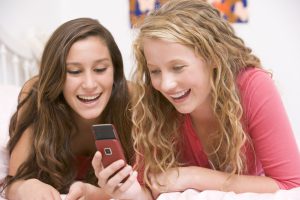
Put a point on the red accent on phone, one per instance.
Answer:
(107, 142)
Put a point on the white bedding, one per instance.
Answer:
(293, 194)
(8, 102)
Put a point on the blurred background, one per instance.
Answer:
(272, 31)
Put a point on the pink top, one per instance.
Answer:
(276, 154)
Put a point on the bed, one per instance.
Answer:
(8, 102)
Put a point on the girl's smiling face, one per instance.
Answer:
(179, 74)
(89, 78)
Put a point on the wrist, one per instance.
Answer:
(87, 189)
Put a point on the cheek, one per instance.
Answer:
(108, 79)
(68, 85)
(66, 92)
(155, 83)
(65, 88)
(107, 82)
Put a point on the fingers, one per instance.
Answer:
(105, 175)
(73, 195)
(129, 182)
(122, 174)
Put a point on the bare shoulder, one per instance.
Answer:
(25, 91)
(27, 87)
(21, 151)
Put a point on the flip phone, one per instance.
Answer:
(107, 142)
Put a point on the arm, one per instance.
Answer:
(270, 130)
(25, 189)
(200, 178)
(30, 188)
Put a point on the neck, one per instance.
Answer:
(204, 121)
(83, 142)
(83, 124)
(203, 113)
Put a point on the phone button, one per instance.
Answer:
(108, 151)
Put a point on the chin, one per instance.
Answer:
(183, 110)
(91, 116)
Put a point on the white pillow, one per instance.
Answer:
(8, 105)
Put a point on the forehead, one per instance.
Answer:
(88, 47)
(88, 41)
(159, 49)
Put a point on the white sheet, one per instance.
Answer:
(190, 194)
(8, 105)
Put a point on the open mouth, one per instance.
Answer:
(181, 95)
(88, 99)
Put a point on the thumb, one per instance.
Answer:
(96, 163)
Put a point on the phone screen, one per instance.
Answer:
(107, 142)
(104, 131)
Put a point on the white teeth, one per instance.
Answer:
(179, 94)
(88, 98)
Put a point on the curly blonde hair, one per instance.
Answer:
(156, 124)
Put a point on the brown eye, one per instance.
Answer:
(100, 69)
(73, 71)
(178, 68)
(154, 72)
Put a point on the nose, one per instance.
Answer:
(89, 81)
(168, 82)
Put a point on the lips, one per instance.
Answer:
(181, 95)
(88, 99)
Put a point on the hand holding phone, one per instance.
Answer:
(107, 142)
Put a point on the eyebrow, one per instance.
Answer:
(170, 62)
(174, 61)
(150, 65)
(95, 62)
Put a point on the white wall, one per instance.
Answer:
(273, 32)
(19, 19)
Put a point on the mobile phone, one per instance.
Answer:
(107, 142)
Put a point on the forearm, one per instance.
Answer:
(207, 179)
(11, 191)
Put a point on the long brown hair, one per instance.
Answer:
(199, 26)
(47, 113)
